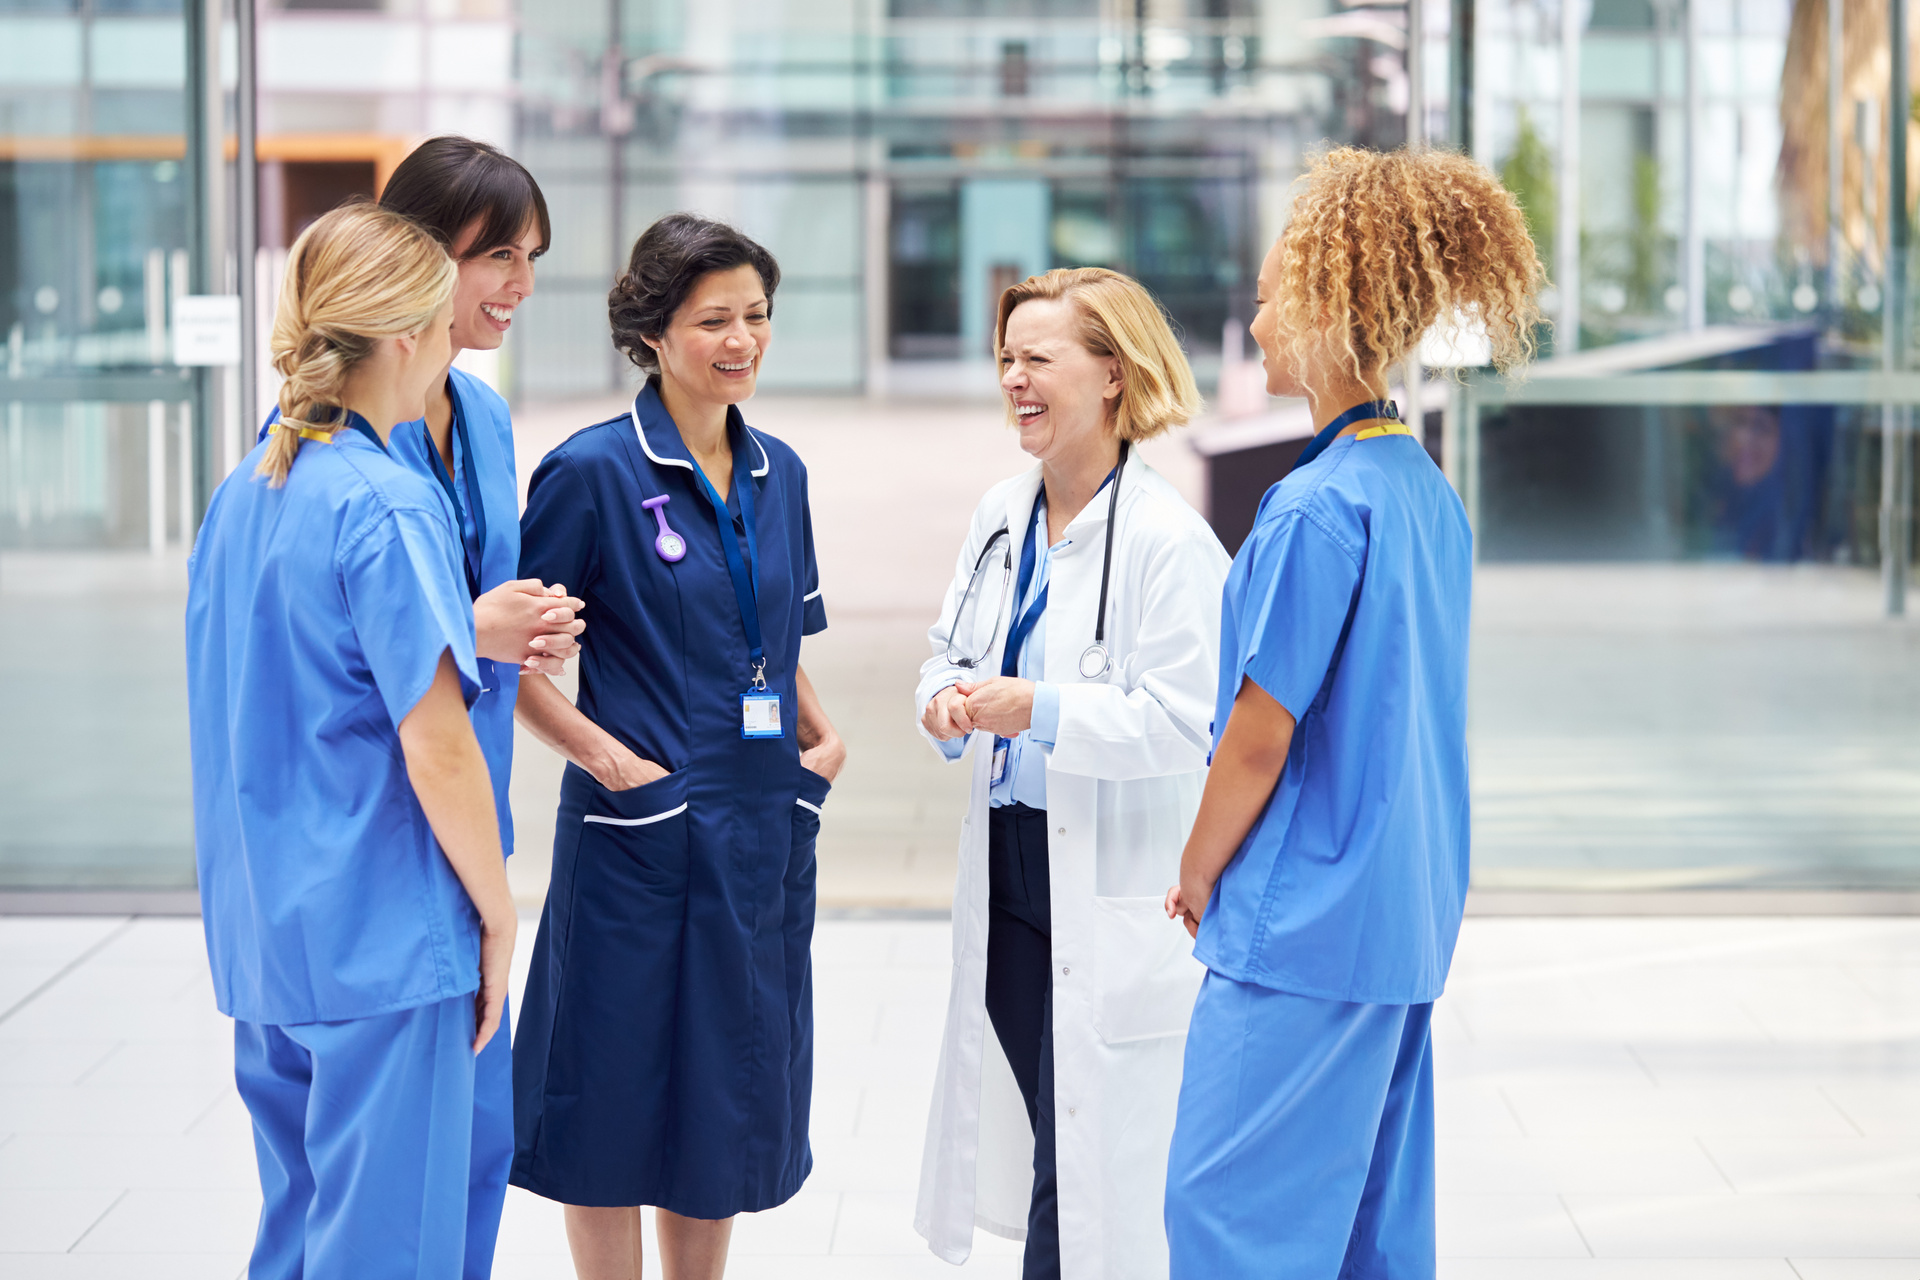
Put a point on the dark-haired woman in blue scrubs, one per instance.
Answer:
(665, 1050)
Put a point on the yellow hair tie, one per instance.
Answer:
(1385, 429)
(305, 433)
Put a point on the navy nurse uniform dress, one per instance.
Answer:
(665, 1053)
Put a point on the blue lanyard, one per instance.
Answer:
(469, 557)
(364, 427)
(743, 577)
(1359, 413)
(1023, 623)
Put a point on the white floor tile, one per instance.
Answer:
(55, 1062)
(896, 1112)
(923, 1266)
(1513, 1166)
(877, 1222)
(162, 1222)
(1616, 1269)
(1684, 1098)
(802, 1226)
(1856, 1268)
(1819, 1165)
(165, 1062)
(1471, 1109)
(1749, 1226)
(49, 1219)
(1551, 1108)
(1881, 1109)
(886, 1163)
(51, 942)
(530, 1227)
(80, 1109)
(120, 1160)
(1507, 1226)
(124, 1266)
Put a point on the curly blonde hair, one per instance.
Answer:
(1396, 241)
(1118, 317)
(357, 275)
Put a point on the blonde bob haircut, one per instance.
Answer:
(1119, 319)
(358, 275)
(1382, 245)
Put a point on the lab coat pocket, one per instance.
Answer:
(647, 825)
(1145, 971)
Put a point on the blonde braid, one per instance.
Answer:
(358, 275)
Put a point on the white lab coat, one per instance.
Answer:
(1123, 783)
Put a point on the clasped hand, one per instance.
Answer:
(530, 624)
(1002, 706)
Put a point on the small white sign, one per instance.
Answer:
(206, 329)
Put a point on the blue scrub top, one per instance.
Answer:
(490, 473)
(316, 617)
(1348, 604)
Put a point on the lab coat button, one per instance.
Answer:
(1062, 831)
(1071, 1111)
(1064, 971)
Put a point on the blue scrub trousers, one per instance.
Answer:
(1304, 1144)
(1020, 1003)
(492, 1147)
(363, 1131)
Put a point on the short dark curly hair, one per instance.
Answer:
(667, 261)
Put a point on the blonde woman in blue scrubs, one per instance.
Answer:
(352, 889)
(1327, 869)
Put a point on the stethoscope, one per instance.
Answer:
(1095, 661)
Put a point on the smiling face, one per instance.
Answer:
(1060, 394)
(492, 284)
(712, 347)
(1281, 379)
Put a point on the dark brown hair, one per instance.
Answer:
(667, 261)
(447, 182)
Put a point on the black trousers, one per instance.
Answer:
(1020, 1003)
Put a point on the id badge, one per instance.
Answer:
(760, 715)
(1000, 746)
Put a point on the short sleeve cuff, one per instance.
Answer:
(813, 614)
(1045, 728)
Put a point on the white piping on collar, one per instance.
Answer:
(633, 411)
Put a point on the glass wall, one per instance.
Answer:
(98, 491)
(906, 159)
(1692, 664)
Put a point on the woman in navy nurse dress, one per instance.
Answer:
(665, 1048)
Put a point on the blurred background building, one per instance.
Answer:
(1691, 666)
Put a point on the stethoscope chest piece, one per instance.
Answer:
(670, 545)
(1095, 661)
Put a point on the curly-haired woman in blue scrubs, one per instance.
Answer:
(1327, 870)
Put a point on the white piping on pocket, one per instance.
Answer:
(804, 805)
(634, 822)
(811, 595)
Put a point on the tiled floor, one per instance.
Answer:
(1660, 1099)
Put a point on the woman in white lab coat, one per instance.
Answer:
(1076, 654)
